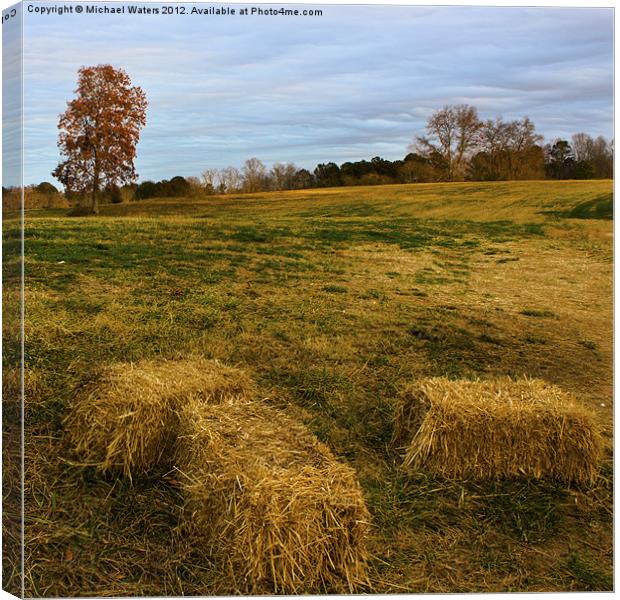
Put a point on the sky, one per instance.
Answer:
(354, 83)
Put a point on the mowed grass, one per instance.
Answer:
(332, 300)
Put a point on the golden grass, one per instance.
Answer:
(12, 523)
(429, 534)
(518, 201)
(497, 429)
(269, 502)
(125, 417)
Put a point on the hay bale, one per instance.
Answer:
(269, 502)
(498, 429)
(125, 417)
(411, 408)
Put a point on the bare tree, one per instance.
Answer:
(495, 136)
(598, 152)
(211, 180)
(494, 142)
(195, 186)
(522, 138)
(603, 157)
(230, 180)
(452, 132)
(508, 150)
(523, 134)
(254, 175)
(583, 146)
(283, 176)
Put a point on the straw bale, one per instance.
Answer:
(269, 502)
(124, 418)
(498, 429)
(411, 408)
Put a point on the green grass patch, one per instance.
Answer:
(535, 312)
(335, 289)
(601, 207)
(587, 574)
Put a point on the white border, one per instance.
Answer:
(490, 3)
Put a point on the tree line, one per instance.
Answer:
(457, 146)
(43, 195)
(506, 151)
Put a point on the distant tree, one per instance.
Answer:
(508, 150)
(583, 146)
(582, 169)
(99, 132)
(30, 196)
(195, 186)
(211, 180)
(254, 176)
(385, 169)
(363, 172)
(11, 198)
(593, 157)
(373, 178)
(328, 175)
(523, 158)
(484, 166)
(230, 180)
(178, 187)
(128, 192)
(162, 188)
(351, 173)
(46, 188)
(303, 180)
(530, 163)
(452, 133)
(147, 189)
(282, 176)
(559, 160)
(415, 168)
(603, 158)
(113, 194)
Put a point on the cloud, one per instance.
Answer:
(356, 82)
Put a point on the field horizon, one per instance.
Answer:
(333, 300)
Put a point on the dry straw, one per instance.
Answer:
(269, 502)
(498, 429)
(125, 417)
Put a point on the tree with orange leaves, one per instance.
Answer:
(99, 132)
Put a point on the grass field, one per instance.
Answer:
(332, 300)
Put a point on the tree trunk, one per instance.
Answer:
(95, 194)
(94, 199)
